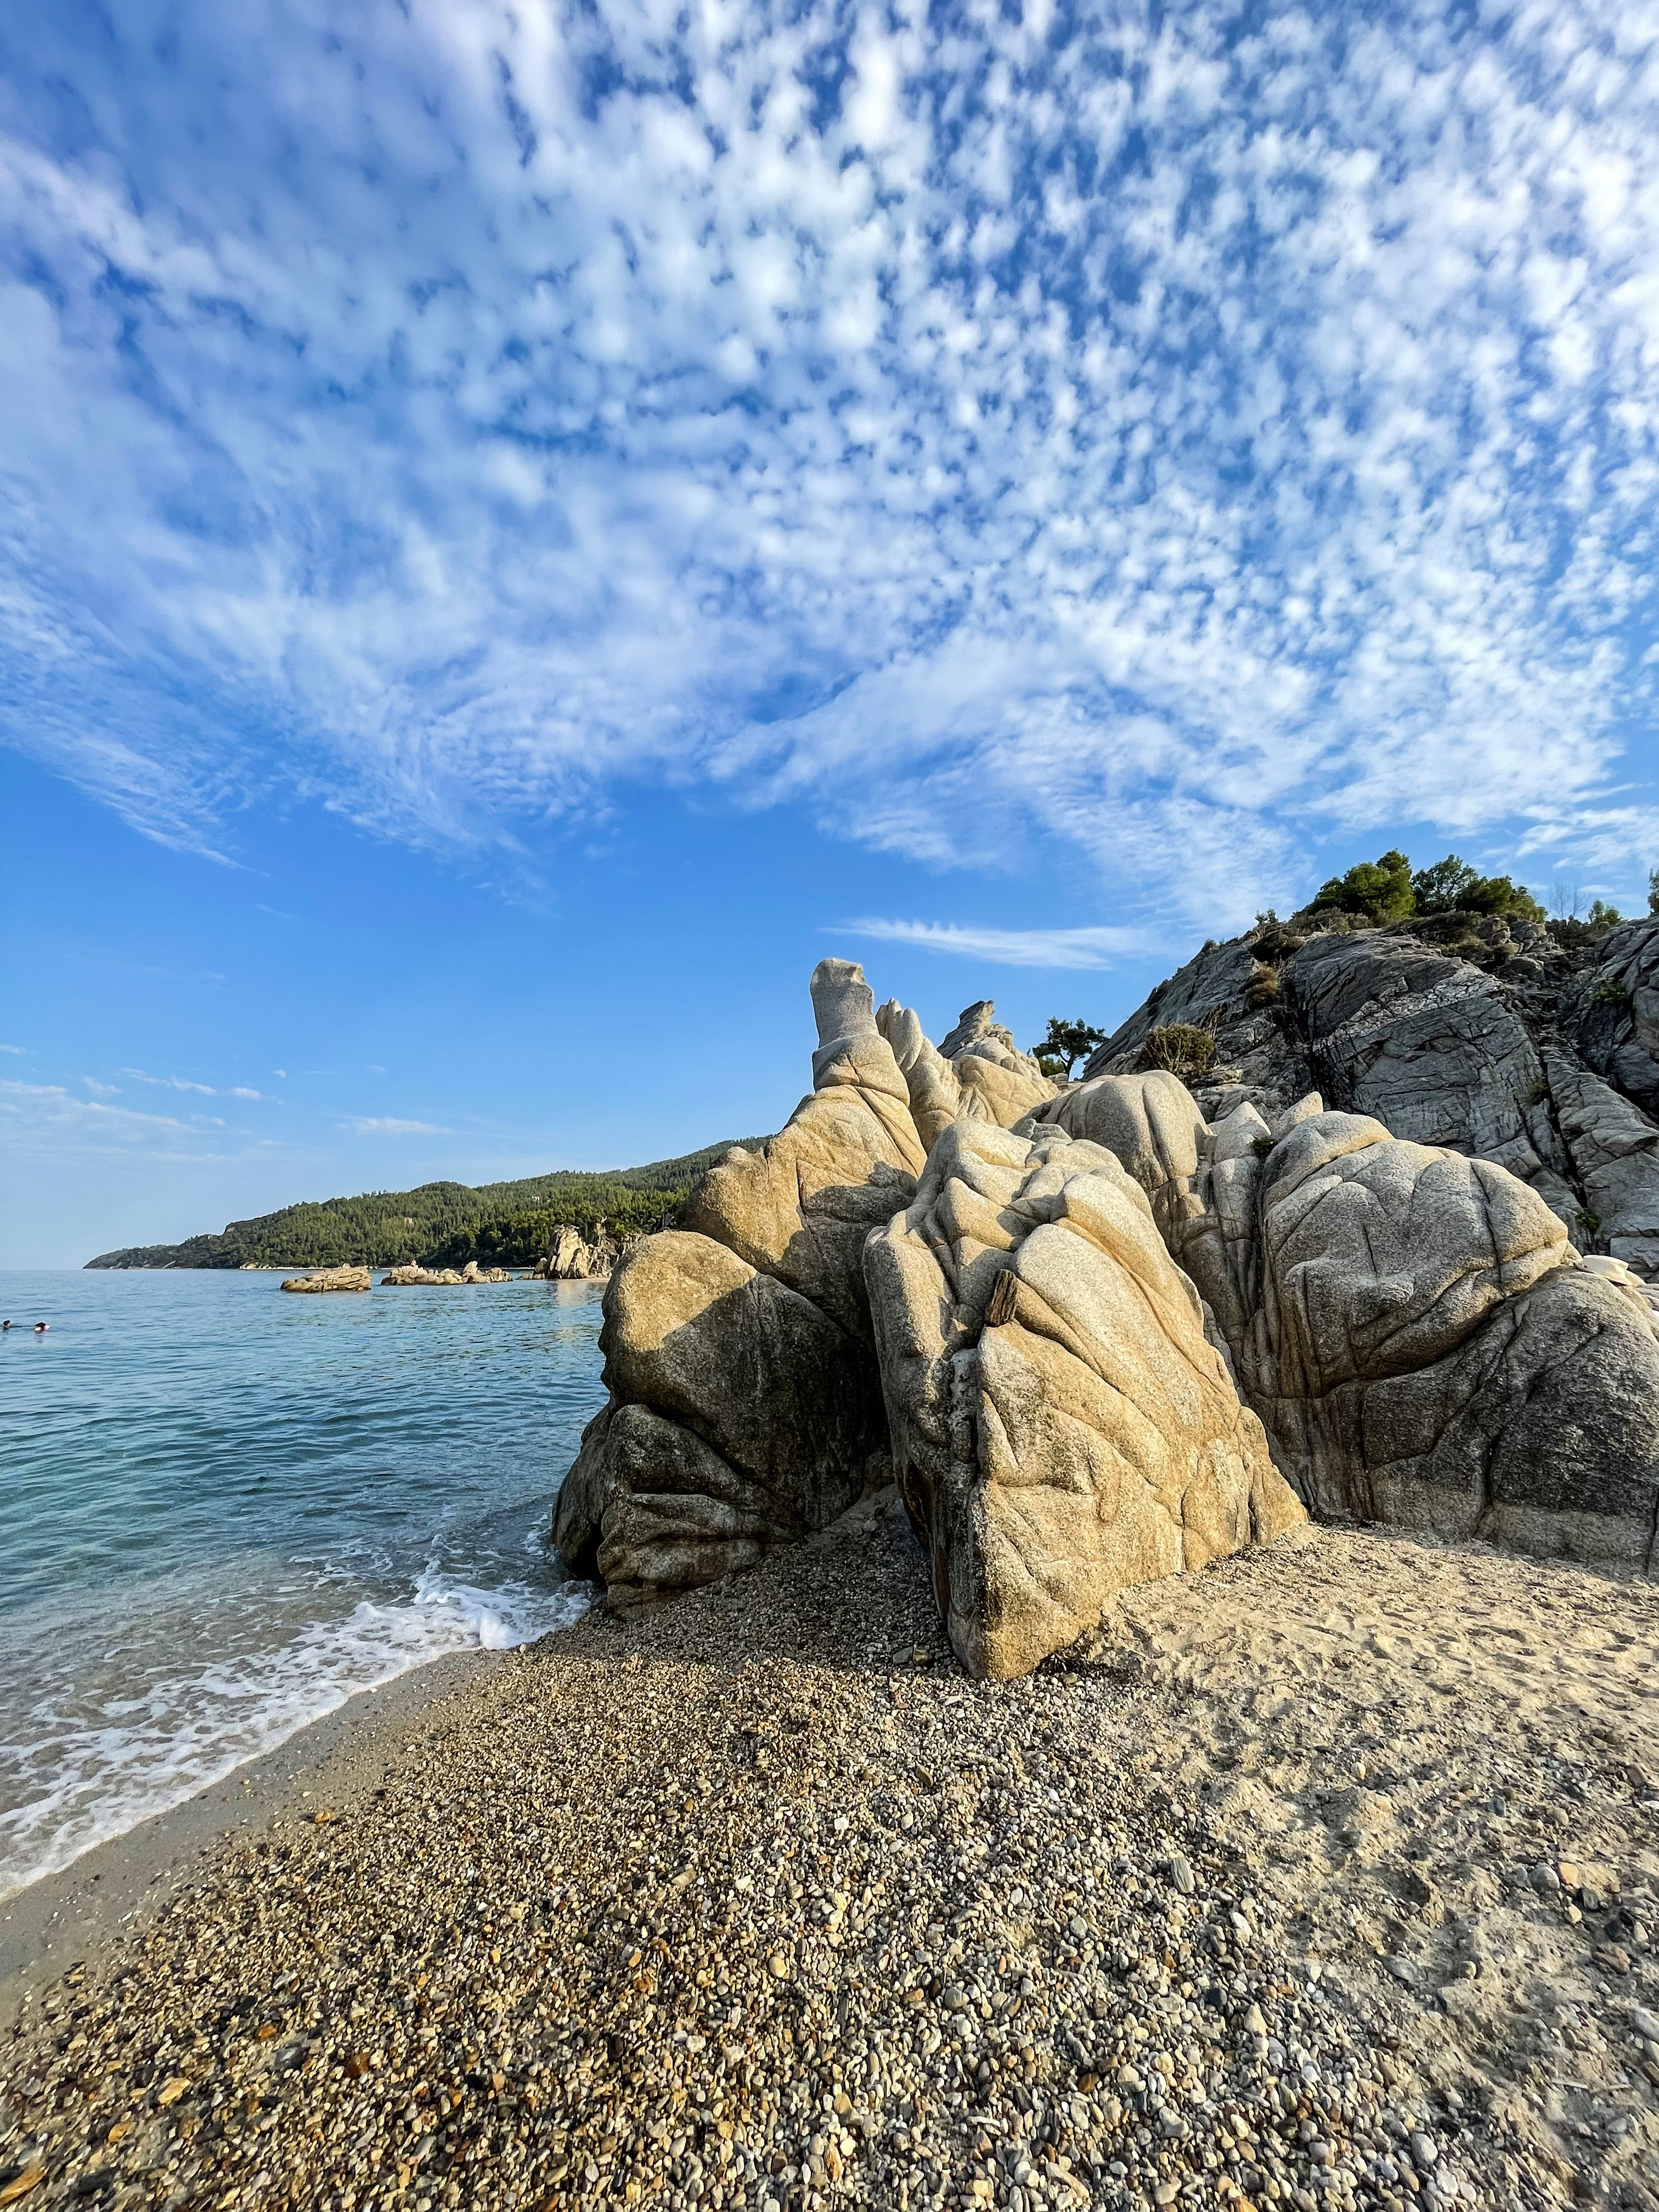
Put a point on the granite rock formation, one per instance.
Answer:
(1423, 1344)
(1107, 1331)
(331, 1279)
(571, 1259)
(1504, 1041)
(413, 1277)
(745, 1402)
(1060, 1427)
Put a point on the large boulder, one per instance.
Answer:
(1061, 1426)
(1418, 1336)
(744, 1335)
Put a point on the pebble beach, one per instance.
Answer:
(1325, 1878)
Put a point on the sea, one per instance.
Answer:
(225, 1509)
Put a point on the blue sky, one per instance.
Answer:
(522, 528)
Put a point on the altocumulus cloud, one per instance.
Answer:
(1164, 432)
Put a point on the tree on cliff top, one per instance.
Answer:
(1381, 889)
(1386, 889)
(1066, 1044)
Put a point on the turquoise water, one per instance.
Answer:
(226, 1508)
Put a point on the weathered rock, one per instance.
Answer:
(445, 1278)
(1151, 1126)
(1417, 1334)
(571, 1259)
(1060, 1427)
(1420, 1026)
(745, 1336)
(976, 1074)
(1614, 1149)
(331, 1279)
(1611, 1012)
(1429, 1045)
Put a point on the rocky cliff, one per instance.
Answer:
(1493, 1039)
(1385, 1259)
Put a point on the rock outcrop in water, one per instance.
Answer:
(332, 1278)
(1105, 1333)
(413, 1277)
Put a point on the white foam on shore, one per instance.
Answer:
(139, 1755)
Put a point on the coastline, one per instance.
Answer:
(77, 1914)
(1325, 1877)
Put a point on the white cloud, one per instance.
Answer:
(386, 1126)
(20, 1048)
(1009, 948)
(44, 1120)
(100, 1089)
(1133, 437)
(184, 1083)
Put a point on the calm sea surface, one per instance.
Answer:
(224, 1508)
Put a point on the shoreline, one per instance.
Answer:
(78, 1912)
(1329, 1876)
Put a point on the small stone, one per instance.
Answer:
(1569, 1874)
(1401, 1968)
(778, 1965)
(1181, 1873)
(1253, 2023)
(1545, 1879)
(1425, 2150)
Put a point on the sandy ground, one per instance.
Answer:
(1325, 1878)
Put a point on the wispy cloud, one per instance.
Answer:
(46, 1119)
(184, 1083)
(1009, 948)
(983, 428)
(386, 1126)
(100, 1089)
(20, 1048)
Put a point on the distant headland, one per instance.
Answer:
(443, 1224)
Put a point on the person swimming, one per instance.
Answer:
(6, 1324)
(41, 1327)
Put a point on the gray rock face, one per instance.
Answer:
(1614, 1149)
(1611, 1012)
(1061, 1426)
(1463, 1031)
(1232, 990)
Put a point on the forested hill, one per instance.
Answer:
(506, 1223)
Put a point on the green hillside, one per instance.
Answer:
(445, 1223)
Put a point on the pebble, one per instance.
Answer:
(583, 1947)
